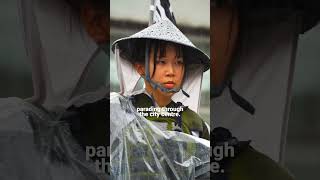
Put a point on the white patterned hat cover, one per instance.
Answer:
(165, 30)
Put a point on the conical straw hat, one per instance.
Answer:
(165, 30)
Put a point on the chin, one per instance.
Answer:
(167, 94)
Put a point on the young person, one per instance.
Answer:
(163, 56)
(172, 68)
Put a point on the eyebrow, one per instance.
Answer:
(178, 58)
(178, 55)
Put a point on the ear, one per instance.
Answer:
(139, 68)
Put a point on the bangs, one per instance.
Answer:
(161, 46)
(134, 50)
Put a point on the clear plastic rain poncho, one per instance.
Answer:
(139, 150)
(37, 145)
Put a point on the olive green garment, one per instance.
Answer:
(237, 160)
(191, 121)
(253, 165)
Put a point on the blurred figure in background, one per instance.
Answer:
(47, 136)
(253, 48)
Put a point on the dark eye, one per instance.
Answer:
(161, 61)
(180, 61)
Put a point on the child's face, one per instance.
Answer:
(96, 22)
(169, 69)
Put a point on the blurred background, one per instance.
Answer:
(15, 71)
(303, 141)
(196, 26)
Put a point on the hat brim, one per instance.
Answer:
(167, 31)
(193, 55)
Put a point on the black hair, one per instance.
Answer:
(101, 5)
(134, 50)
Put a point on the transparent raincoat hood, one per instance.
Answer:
(165, 30)
(61, 53)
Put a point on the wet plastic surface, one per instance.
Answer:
(36, 145)
(139, 150)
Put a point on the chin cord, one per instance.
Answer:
(236, 98)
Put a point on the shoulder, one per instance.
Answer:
(252, 165)
(191, 114)
(195, 122)
(193, 119)
(141, 100)
(245, 162)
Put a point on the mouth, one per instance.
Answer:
(169, 84)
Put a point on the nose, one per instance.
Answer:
(170, 70)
